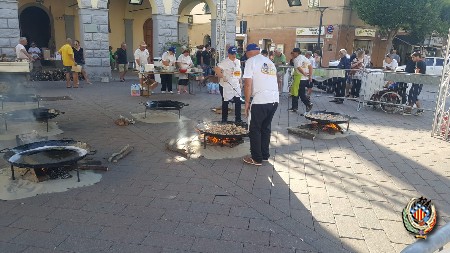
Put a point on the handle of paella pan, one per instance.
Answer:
(92, 152)
(5, 150)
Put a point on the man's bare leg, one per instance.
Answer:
(75, 79)
(68, 80)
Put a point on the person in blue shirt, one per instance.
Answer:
(344, 63)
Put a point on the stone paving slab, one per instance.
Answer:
(342, 195)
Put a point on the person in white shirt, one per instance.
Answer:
(389, 63)
(229, 72)
(260, 77)
(34, 51)
(141, 57)
(358, 66)
(302, 77)
(310, 57)
(21, 52)
(184, 62)
(168, 59)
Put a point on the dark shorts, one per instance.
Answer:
(310, 84)
(414, 93)
(183, 82)
(67, 69)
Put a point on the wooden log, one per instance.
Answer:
(110, 159)
(93, 167)
(301, 132)
(123, 154)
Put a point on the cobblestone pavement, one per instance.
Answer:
(340, 195)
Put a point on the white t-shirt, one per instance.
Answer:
(302, 62)
(142, 56)
(391, 66)
(264, 74)
(19, 53)
(185, 62)
(232, 75)
(170, 58)
(34, 51)
(312, 61)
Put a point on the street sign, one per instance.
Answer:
(330, 29)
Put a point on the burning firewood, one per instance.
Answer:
(122, 121)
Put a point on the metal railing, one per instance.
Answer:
(434, 242)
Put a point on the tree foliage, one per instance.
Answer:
(418, 17)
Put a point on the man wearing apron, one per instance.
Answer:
(229, 71)
(260, 78)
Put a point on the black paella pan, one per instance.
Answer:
(48, 154)
(38, 114)
(164, 105)
(204, 128)
(323, 117)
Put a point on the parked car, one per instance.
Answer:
(435, 65)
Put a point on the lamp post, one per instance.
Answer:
(321, 9)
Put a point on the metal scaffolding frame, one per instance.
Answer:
(441, 123)
(221, 30)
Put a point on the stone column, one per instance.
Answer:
(165, 29)
(9, 27)
(129, 38)
(213, 33)
(95, 41)
(183, 35)
(69, 21)
(231, 22)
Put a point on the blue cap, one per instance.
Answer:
(232, 50)
(251, 47)
(172, 49)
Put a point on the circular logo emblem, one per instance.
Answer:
(330, 29)
(419, 217)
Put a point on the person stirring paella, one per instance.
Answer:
(229, 72)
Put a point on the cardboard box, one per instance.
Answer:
(145, 93)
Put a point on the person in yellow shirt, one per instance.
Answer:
(68, 59)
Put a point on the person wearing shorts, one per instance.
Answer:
(184, 62)
(68, 59)
(122, 61)
(79, 59)
(141, 57)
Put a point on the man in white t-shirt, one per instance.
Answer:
(168, 59)
(260, 77)
(389, 63)
(34, 51)
(184, 62)
(229, 72)
(302, 78)
(141, 57)
(21, 52)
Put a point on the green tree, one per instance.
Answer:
(419, 17)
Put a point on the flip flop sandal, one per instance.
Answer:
(250, 160)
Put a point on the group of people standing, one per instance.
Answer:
(169, 61)
(72, 55)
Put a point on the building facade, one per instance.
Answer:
(273, 24)
(98, 24)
